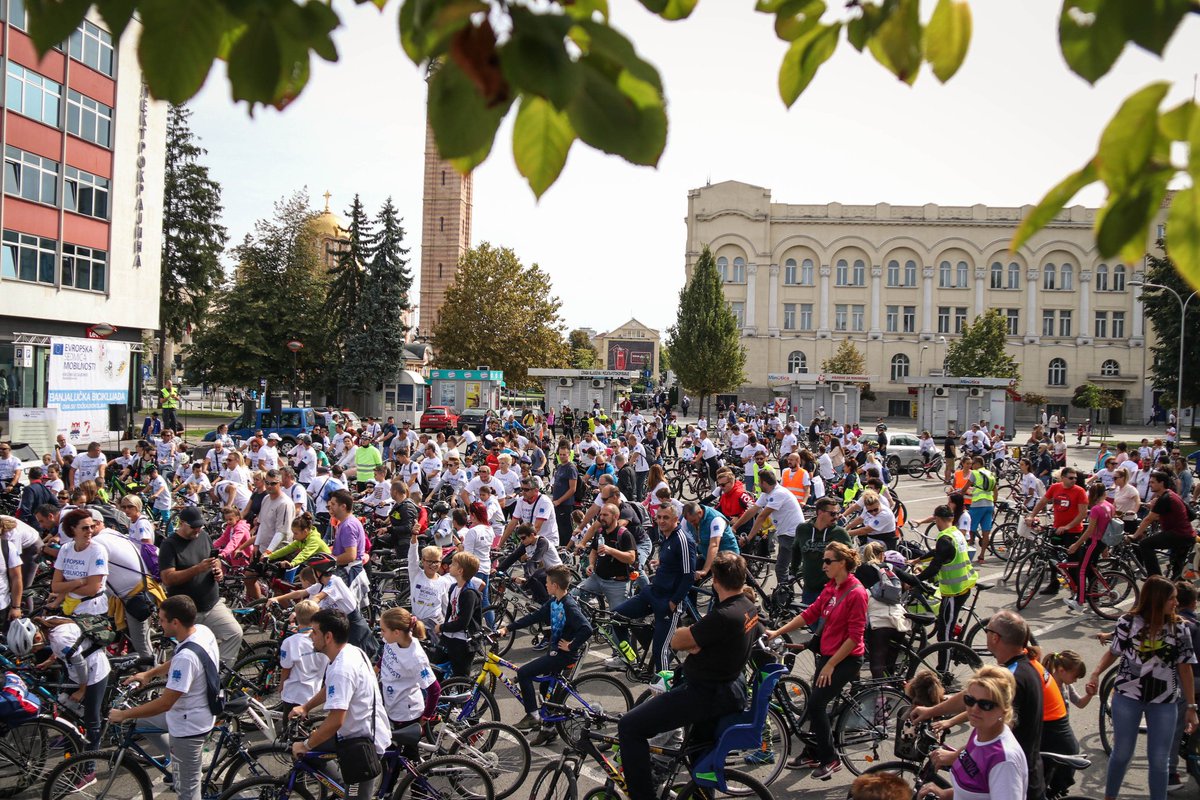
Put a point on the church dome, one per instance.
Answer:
(330, 225)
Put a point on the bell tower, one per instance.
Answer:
(445, 232)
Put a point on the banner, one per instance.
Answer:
(36, 427)
(85, 376)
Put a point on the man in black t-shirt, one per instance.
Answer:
(562, 492)
(1175, 529)
(612, 553)
(708, 687)
(188, 567)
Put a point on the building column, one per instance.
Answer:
(927, 303)
(1031, 315)
(773, 299)
(823, 326)
(751, 326)
(1138, 339)
(980, 275)
(1085, 307)
(876, 282)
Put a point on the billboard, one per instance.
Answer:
(85, 376)
(630, 355)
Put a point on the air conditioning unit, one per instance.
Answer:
(975, 393)
(565, 382)
(597, 383)
(835, 387)
(484, 368)
(940, 391)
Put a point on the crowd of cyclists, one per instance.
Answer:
(710, 604)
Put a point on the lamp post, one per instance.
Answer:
(921, 361)
(1183, 304)
(295, 345)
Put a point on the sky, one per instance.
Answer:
(611, 235)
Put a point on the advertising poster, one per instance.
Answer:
(37, 427)
(474, 395)
(85, 376)
(448, 394)
(630, 355)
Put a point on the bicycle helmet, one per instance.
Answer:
(441, 507)
(321, 564)
(20, 636)
(895, 559)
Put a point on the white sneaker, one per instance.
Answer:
(615, 663)
(1073, 604)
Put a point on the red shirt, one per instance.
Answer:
(1066, 504)
(844, 609)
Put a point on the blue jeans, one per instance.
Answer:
(1160, 727)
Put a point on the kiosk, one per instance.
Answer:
(461, 389)
(839, 395)
(583, 388)
(948, 403)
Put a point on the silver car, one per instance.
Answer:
(904, 450)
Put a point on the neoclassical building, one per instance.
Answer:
(902, 281)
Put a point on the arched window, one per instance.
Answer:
(797, 362)
(910, 273)
(1067, 278)
(723, 268)
(997, 275)
(860, 273)
(789, 272)
(806, 272)
(1057, 375)
(739, 270)
(1102, 278)
(893, 278)
(1110, 368)
(1014, 275)
(1049, 273)
(843, 273)
(1118, 281)
(944, 275)
(899, 367)
(961, 276)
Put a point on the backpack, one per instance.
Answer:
(98, 628)
(113, 517)
(17, 703)
(888, 588)
(149, 558)
(640, 520)
(212, 682)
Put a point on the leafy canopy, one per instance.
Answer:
(1162, 310)
(704, 344)
(571, 75)
(980, 351)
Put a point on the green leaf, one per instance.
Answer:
(464, 164)
(535, 58)
(542, 137)
(1183, 233)
(117, 14)
(1121, 224)
(612, 51)
(462, 123)
(947, 38)
(896, 44)
(804, 58)
(426, 26)
(678, 9)
(1193, 140)
(254, 63)
(797, 17)
(1053, 203)
(1128, 140)
(52, 22)
(860, 29)
(622, 115)
(586, 9)
(1090, 36)
(1151, 23)
(178, 44)
(1175, 124)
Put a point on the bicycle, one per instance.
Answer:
(920, 470)
(1109, 592)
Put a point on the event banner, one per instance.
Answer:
(85, 376)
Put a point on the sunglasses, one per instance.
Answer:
(872, 508)
(828, 561)
(984, 705)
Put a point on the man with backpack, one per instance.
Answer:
(611, 559)
(192, 697)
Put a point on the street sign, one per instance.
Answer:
(262, 382)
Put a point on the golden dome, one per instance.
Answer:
(328, 224)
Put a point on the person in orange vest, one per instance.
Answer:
(962, 476)
(796, 479)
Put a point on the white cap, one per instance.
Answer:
(274, 437)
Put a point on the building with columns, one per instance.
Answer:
(902, 281)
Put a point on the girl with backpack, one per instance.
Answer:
(880, 573)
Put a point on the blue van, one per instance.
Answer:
(289, 424)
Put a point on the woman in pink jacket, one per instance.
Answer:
(234, 543)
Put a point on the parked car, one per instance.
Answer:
(439, 418)
(290, 424)
(475, 419)
(30, 458)
(904, 450)
(340, 417)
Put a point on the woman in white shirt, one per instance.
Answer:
(81, 569)
(1030, 489)
(1126, 501)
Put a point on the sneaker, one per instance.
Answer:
(825, 772)
(759, 757)
(1174, 782)
(528, 723)
(541, 645)
(1073, 604)
(89, 779)
(803, 761)
(615, 663)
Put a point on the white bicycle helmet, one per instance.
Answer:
(20, 636)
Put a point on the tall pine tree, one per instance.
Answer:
(193, 237)
(704, 344)
(374, 349)
(346, 279)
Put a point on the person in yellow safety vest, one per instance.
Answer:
(851, 485)
(950, 563)
(796, 479)
(169, 401)
(759, 465)
(983, 504)
(366, 459)
(672, 433)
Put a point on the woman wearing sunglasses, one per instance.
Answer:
(992, 764)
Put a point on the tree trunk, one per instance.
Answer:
(162, 355)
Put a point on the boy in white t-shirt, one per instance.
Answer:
(303, 667)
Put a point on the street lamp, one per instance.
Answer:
(295, 345)
(921, 361)
(1183, 304)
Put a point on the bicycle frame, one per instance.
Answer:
(494, 666)
(392, 761)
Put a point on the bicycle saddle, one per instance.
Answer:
(408, 735)
(983, 586)
(1075, 762)
(924, 620)
(236, 706)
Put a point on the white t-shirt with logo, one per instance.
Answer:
(337, 595)
(124, 561)
(8, 468)
(785, 510)
(350, 686)
(543, 509)
(190, 716)
(307, 668)
(64, 642)
(404, 672)
(75, 564)
(87, 468)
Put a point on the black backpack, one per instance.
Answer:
(639, 518)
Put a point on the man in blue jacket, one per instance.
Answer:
(569, 632)
(670, 584)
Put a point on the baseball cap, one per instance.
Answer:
(274, 437)
(304, 437)
(192, 516)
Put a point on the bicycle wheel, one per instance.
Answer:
(600, 692)
(554, 783)
(976, 637)
(498, 748)
(446, 778)
(794, 693)
(467, 702)
(765, 762)
(738, 784)
(953, 662)
(1111, 593)
(266, 760)
(603, 793)
(918, 469)
(867, 725)
(28, 752)
(1029, 580)
(1001, 543)
(117, 775)
(258, 676)
(504, 618)
(266, 789)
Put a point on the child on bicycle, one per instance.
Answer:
(410, 690)
(569, 632)
(302, 668)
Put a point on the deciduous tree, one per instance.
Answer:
(979, 352)
(583, 353)
(1162, 310)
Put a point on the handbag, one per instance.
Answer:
(356, 756)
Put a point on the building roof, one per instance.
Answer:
(630, 323)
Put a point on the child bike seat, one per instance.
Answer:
(740, 731)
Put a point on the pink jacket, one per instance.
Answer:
(231, 540)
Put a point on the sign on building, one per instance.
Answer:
(84, 377)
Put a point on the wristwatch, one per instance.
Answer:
(1192, 706)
